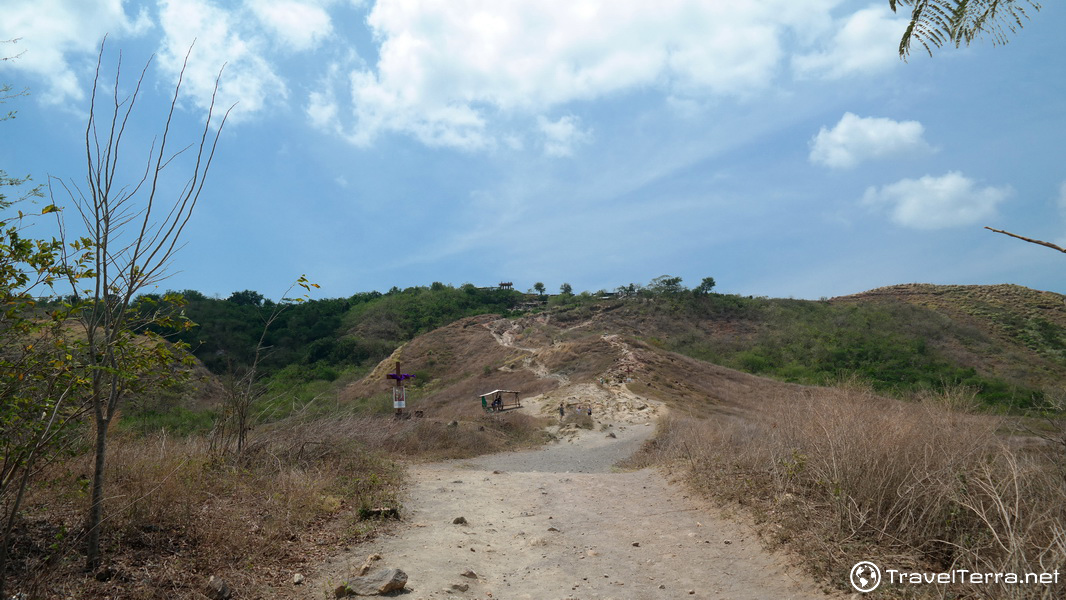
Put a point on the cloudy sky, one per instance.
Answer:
(781, 147)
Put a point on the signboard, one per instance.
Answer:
(399, 397)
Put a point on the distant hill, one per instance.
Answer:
(1004, 342)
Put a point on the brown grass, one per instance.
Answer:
(178, 512)
(843, 475)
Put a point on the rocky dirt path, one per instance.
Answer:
(561, 522)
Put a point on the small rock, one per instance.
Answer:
(636, 544)
(612, 435)
(662, 586)
(105, 574)
(459, 521)
(468, 574)
(552, 529)
(380, 582)
(218, 589)
(297, 579)
(727, 542)
(368, 564)
(460, 587)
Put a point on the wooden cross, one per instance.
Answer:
(399, 396)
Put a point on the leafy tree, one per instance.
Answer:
(130, 236)
(246, 298)
(666, 284)
(705, 286)
(39, 381)
(937, 22)
(566, 290)
(539, 288)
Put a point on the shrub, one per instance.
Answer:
(844, 474)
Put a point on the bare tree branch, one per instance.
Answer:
(1030, 240)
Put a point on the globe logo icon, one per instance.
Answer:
(865, 576)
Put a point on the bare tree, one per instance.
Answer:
(243, 387)
(131, 232)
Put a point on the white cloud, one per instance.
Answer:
(300, 25)
(561, 136)
(51, 31)
(448, 71)
(937, 202)
(856, 139)
(249, 77)
(322, 110)
(865, 42)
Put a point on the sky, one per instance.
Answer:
(781, 147)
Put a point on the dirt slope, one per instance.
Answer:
(542, 355)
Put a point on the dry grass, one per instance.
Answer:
(843, 475)
(450, 435)
(179, 513)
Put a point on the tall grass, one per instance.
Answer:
(844, 475)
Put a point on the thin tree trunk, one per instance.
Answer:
(96, 509)
(10, 525)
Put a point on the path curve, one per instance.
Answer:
(562, 522)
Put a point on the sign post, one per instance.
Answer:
(399, 392)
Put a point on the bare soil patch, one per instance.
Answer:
(564, 522)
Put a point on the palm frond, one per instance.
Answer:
(935, 23)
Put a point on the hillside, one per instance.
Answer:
(1023, 328)
(1004, 342)
(561, 361)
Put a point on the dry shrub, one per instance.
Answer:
(178, 513)
(844, 475)
(458, 437)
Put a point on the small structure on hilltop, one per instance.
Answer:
(499, 400)
(506, 285)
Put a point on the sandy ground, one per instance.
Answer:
(562, 522)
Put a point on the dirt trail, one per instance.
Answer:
(561, 522)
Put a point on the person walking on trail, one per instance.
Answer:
(562, 411)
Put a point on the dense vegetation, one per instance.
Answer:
(323, 340)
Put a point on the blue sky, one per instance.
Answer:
(781, 147)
